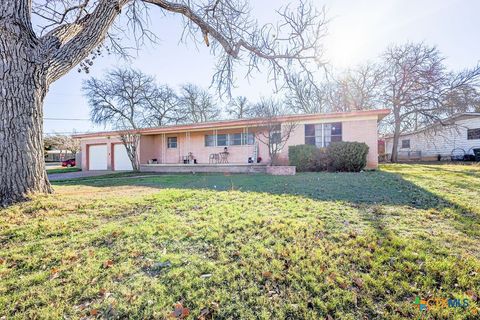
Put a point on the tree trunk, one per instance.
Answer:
(22, 90)
(396, 137)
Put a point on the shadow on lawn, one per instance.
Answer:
(365, 188)
(376, 187)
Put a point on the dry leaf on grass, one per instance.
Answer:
(179, 311)
(54, 273)
(108, 264)
(204, 314)
(358, 282)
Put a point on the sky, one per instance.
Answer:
(358, 32)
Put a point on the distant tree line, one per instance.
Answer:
(61, 143)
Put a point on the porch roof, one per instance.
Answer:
(251, 122)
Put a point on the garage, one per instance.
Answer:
(121, 161)
(97, 157)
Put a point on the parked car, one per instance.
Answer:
(68, 163)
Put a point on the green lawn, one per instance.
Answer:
(312, 246)
(63, 170)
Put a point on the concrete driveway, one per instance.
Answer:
(78, 174)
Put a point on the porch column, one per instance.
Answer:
(163, 149)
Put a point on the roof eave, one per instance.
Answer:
(380, 113)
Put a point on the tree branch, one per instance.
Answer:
(68, 44)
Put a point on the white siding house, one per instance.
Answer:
(459, 135)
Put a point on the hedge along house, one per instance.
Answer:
(201, 147)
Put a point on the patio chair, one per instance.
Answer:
(213, 158)
(224, 157)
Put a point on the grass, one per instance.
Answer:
(312, 246)
(63, 170)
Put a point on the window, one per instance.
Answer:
(171, 142)
(248, 138)
(406, 144)
(473, 134)
(235, 139)
(209, 140)
(222, 140)
(276, 137)
(321, 135)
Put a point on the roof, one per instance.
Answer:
(452, 117)
(380, 114)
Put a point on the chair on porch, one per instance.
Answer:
(189, 159)
(213, 158)
(224, 157)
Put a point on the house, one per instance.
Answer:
(58, 155)
(195, 147)
(456, 136)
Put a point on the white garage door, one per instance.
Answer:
(121, 160)
(97, 157)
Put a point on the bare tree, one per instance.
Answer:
(418, 88)
(119, 101)
(68, 143)
(413, 70)
(356, 89)
(240, 108)
(71, 32)
(62, 143)
(53, 142)
(463, 94)
(162, 107)
(272, 131)
(197, 105)
(306, 96)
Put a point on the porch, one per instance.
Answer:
(219, 168)
(204, 168)
(208, 148)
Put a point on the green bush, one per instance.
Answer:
(302, 156)
(339, 156)
(347, 156)
(320, 161)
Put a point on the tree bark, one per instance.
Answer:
(396, 136)
(22, 90)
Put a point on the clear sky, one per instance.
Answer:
(358, 31)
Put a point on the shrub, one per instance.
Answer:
(339, 156)
(302, 156)
(307, 158)
(320, 160)
(347, 156)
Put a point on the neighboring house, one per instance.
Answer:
(58, 155)
(167, 148)
(457, 135)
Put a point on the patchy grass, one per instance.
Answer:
(63, 170)
(319, 245)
